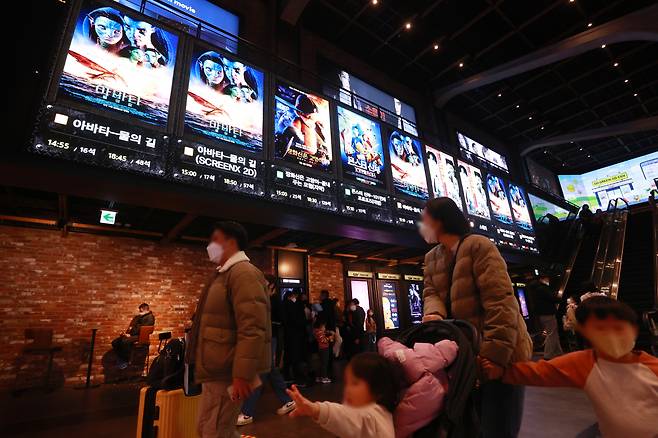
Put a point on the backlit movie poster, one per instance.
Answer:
(361, 148)
(443, 175)
(407, 165)
(498, 199)
(520, 210)
(302, 131)
(415, 302)
(120, 62)
(474, 194)
(225, 100)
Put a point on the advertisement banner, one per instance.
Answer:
(443, 175)
(120, 62)
(407, 165)
(361, 150)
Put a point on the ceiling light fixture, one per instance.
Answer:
(603, 46)
(461, 65)
(589, 24)
(374, 2)
(626, 81)
(571, 1)
(518, 106)
(500, 94)
(407, 25)
(635, 95)
(542, 128)
(616, 64)
(530, 118)
(436, 46)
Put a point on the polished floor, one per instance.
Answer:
(110, 411)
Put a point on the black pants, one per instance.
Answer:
(123, 345)
(325, 354)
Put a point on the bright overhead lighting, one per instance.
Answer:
(461, 64)
(436, 47)
(626, 81)
(374, 2)
(589, 24)
(542, 128)
(635, 94)
(530, 118)
(407, 25)
(616, 64)
(518, 106)
(571, 1)
(500, 94)
(580, 149)
(603, 46)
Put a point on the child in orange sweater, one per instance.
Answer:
(621, 383)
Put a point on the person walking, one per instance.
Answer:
(371, 331)
(544, 302)
(230, 339)
(466, 278)
(273, 377)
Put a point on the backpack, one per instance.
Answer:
(168, 369)
(459, 418)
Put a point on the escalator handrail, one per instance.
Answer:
(654, 219)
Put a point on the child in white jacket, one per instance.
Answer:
(369, 397)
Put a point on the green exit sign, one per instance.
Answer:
(108, 217)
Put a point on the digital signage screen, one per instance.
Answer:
(365, 204)
(407, 166)
(120, 62)
(520, 210)
(361, 150)
(631, 180)
(498, 200)
(406, 213)
(390, 305)
(542, 177)
(302, 128)
(443, 175)
(542, 207)
(473, 148)
(300, 188)
(225, 100)
(474, 192)
(415, 293)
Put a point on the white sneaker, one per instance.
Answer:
(326, 380)
(244, 419)
(288, 407)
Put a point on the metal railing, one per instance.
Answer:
(606, 269)
(575, 235)
(650, 318)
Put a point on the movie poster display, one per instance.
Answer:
(120, 62)
(474, 193)
(390, 305)
(498, 199)
(443, 175)
(361, 150)
(475, 149)
(520, 210)
(415, 292)
(407, 166)
(225, 100)
(302, 128)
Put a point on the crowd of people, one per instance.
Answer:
(244, 335)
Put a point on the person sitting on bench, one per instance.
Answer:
(123, 344)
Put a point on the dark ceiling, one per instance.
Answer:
(616, 84)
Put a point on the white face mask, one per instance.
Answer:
(615, 346)
(293, 299)
(352, 307)
(427, 233)
(215, 252)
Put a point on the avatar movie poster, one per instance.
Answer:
(302, 128)
(520, 210)
(498, 199)
(443, 175)
(120, 62)
(225, 100)
(407, 165)
(415, 293)
(474, 193)
(361, 148)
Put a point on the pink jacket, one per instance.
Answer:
(423, 368)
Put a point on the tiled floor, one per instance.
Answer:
(109, 411)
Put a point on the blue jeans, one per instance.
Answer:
(278, 385)
(501, 409)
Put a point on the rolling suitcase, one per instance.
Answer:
(166, 414)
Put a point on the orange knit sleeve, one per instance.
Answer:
(568, 370)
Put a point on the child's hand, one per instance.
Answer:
(304, 407)
(489, 369)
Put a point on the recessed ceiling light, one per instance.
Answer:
(542, 128)
(626, 81)
(374, 2)
(461, 64)
(603, 46)
(436, 46)
(518, 106)
(530, 118)
(616, 64)
(589, 24)
(500, 94)
(407, 25)
(580, 149)
(589, 156)
(635, 94)
(571, 1)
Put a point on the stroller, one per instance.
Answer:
(459, 418)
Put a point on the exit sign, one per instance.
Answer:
(108, 217)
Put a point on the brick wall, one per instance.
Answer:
(326, 273)
(72, 284)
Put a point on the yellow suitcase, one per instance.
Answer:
(173, 415)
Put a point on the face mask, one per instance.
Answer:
(427, 233)
(615, 346)
(215, 252)
(293, 299)
(352, 307)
